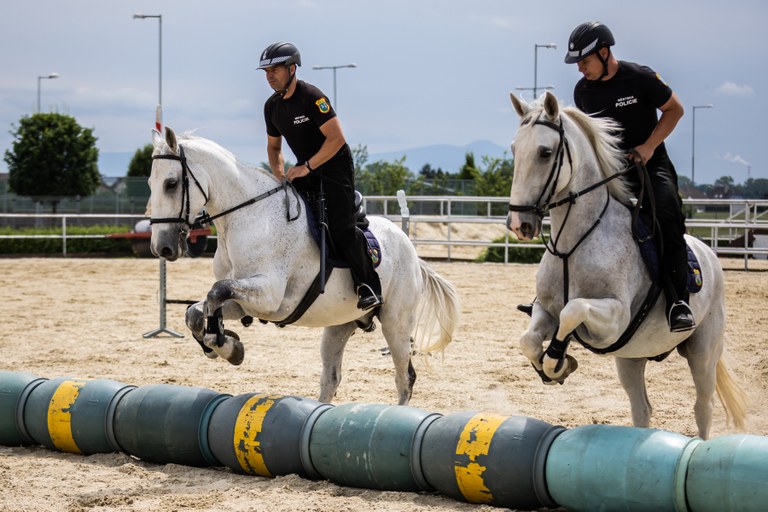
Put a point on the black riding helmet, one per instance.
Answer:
(587, 39)
(279, 53)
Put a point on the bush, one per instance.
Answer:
(74, 245)
(517, 254)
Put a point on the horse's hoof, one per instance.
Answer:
(211, 354)
(561, 370)
(237, 351)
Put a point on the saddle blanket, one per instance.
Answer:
(650, 256)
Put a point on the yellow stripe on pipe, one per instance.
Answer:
(475, 440)
(249, 424)
(60, 417)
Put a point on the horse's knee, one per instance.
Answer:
(219, 292)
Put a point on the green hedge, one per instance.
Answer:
(74, 245)
(516, 254)
(53, 246)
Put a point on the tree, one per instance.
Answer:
(52, 157)
(468, 171)
(141, 163)
(359, 158)
(383, 178)
(496, 179)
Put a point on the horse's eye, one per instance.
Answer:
(171, 184)
(545, 152)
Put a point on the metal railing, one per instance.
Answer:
(742, 222)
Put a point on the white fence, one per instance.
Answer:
(720, 223)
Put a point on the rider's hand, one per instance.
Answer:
(298, 171)
(641, 154)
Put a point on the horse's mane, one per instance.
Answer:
(603, 136)
(211, 145)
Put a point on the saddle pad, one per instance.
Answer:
(695, 280)
(650, 257)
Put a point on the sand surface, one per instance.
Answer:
(85, 318)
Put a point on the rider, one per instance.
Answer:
(631, 94)
(302, 114)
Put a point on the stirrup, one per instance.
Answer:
(367, 299)
(682, 320)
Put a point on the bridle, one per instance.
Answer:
(541, 208)
(204, 218)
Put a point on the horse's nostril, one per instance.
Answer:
(166, 252)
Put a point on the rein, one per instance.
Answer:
(204, 218)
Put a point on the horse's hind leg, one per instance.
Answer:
(702, 351)
(399, 342)
(332, 351)
(632, 378)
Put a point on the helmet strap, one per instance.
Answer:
(288, 85)
(604, 61)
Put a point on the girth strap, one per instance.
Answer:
(634, 325)
(309, 298)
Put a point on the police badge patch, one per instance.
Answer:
(323, 105)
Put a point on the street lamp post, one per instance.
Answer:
(693, 142)
(159, 126)
(334, 68)
(159, 17)
(39, 80)
(535, 87)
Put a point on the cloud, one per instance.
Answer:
(732, 89)
(735, 158)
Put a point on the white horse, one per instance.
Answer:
(591, 281)
(266, 260)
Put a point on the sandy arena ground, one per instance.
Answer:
(85, 318)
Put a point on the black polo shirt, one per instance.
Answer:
(631, 97)
(298, 119)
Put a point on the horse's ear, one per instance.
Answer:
(521, 107)
(551, 106)
(170, 138)
(157, 137)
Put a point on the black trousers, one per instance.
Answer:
(338, 179)
(671, 222)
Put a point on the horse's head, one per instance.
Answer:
(542, 164)
(177, 195)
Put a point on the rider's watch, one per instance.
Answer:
(306, 164)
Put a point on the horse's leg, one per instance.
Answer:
(702, 350)
(632, 377)
(540, 328)
(332, 352)
(195, 319)
(223, 301)
(604, 319)
(397, 332)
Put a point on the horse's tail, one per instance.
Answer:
(438, 314)
(731, 395)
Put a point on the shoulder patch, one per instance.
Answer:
(323, 106)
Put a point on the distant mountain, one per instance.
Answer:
(443, 156)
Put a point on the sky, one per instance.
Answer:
(428, 71)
